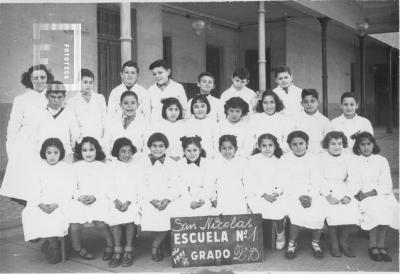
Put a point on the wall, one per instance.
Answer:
(303, 56)
(16, 50)
(188, 49)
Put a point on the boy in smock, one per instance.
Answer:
(129, 74)
(311, 121)
(287, 91)
(240, 79)
(89, 107)
(164, 87)
(350, 122)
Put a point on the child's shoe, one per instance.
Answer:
(385, 255)
(115, 260)
(280, 240)
(53, 255)
(291, 250)
(347, 251)
(375, 254)
(317, 251)
(127, 260)
(108, 253)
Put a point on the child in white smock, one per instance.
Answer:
(45, 214)
(128, 125)
(235, 124)
(268, 119)
(300, 174)
(196, 179)
(124, 208)
(158, 192)
(378, 206)
(202, 124)
(90, 200)
(339, 187)
(265, 193)
(229, 172)
(171, 125)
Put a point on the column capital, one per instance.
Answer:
(323, 21)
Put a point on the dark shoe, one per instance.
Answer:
(335, 252)
(34, 240)
(53, 255)
(347, 251)
(44, 246)
(115, 260)
(374, 254)
(108, 253)
(317, 251)
(127, 260)
(291, 250)
(84, 254)
(157, 254)
(385, 255)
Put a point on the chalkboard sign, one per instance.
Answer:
(216, 240)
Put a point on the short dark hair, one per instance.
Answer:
(281, 70)
(167, 102)
(52, 142)
(202, 99)
(55, 87)
(348, 94)
(267, 136)
(205, 73)
(241, 73)
(195, 140)
(309, 91)
(227, 138)
(278, 102)
(100, 156)
(297, 134)
(121, 142)
(370, 137)
(130, 63)
(334, 135)
(236, 102)
(159, 63)
(157, 137)
(129, 93)
(26, 76)
(86, 73)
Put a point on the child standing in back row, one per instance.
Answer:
(89, 108)
(129, 75)
(164, 87)
(349, 122)
(311, 121)
(240, 78)
(206, 83)
(287, 91)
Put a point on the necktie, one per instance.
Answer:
(286, 90)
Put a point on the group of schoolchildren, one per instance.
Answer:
(151, 155)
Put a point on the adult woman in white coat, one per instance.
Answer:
(21, 132)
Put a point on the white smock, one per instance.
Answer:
(261, 178)
(52, 185)
(197, 183)
(21, 143)
(338, 181)
(90, 178)
(301, 176)
(124, 186)
(160, 181)
(231, 197)
(382, 209)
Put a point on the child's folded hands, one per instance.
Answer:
(124, 206)
(305, 201)
(269, 198)
(332, 200)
